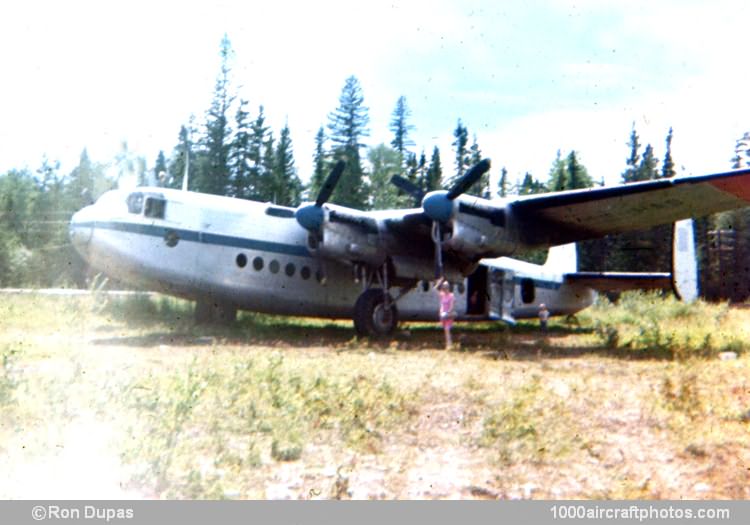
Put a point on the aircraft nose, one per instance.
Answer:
(80, 230)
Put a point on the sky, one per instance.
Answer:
(528, 78)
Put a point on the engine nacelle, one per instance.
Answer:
(349, 244)
(477, 236)
(409, 269)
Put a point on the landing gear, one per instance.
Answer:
(375, 314)
(211, 312)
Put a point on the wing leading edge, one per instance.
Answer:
(562, 217)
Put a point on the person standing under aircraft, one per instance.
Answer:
(543, 317)
(447, 311)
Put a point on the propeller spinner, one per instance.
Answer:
(438, 205)
(312, 216)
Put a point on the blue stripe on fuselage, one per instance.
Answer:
(153, 230)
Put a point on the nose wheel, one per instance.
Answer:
(375, 314)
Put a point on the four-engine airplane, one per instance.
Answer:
(324, 260)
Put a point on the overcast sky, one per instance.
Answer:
(528, 78)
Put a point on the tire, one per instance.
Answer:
(370, 317)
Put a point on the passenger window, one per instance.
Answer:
(274, 266)
(258, 264)
(241, 260)
(305, 273)
(155, 207)
(135, 203)
(289, 270)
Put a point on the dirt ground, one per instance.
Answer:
(598, 427)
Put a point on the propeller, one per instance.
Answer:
(311, 216)
(438, 206)
(408, 187)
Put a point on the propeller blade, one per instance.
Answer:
(407, 186)
(471, 176)
(330, 184)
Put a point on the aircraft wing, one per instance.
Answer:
(563, 217)
(620, 281)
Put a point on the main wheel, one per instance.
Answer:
(371, 317)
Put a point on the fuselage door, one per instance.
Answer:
(502, 292)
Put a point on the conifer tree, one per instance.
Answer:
(348, 125)
(320, 165)
(502, 185)
(461, 136)
(160, 169)
(631, 171)
(239, 155)
(434, 172)
(288, 187)
(667, 166)
(401, 128)
(213, 175)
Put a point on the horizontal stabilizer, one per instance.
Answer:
(620, 281)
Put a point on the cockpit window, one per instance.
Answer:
(135, 202)
(155, 207)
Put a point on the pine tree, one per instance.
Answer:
(239, 155)
(647, 169)
(287, 186)
(557, 175)
(577, 176)
(461, 136)
(213, 177)
(502, 185)
(320, 165)
(348, 126)
(667, 167)
(159, 171)
(481, 188)
(401, 128)
(633, 161)
(258, 137)
(434, 172)
(184, 152)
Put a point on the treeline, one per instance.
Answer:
(233, 151)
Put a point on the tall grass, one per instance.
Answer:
(650, 325)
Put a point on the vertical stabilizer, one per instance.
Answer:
(562, 259)
(684, 262)
(187, 166)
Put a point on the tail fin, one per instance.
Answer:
(684, 262)
(562, 259)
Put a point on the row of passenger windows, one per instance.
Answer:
(275, 267)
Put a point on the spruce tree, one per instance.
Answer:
(239, 154)
(184, 152)
(213, 176)
(320, 165)
(160, 169)
(461, 136)
(434, 172)
(502, 185)
(401, 128)
(632, 162)
(287, 186)
(348, 125)
(258, 137)
(667, 167)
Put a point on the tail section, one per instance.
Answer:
(684, 262)
(562, 259)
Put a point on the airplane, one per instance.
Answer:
(325, 260)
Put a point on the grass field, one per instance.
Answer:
(126, 398)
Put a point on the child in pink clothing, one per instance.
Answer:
(447, 311)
